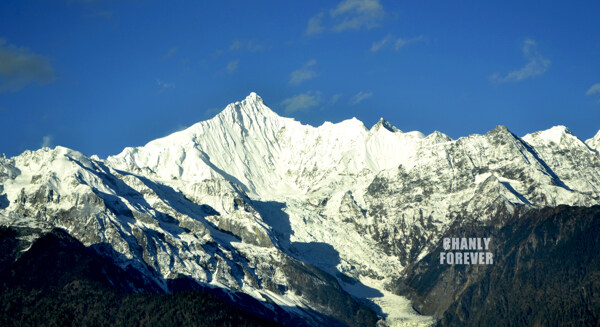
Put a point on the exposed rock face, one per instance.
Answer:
(545, 272)
(257, 203)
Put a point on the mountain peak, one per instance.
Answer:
(252, 107)
(500, 129)
(253, 97)
(554, 134)
(594, 142)
(382, 123)
(560, 129)
(501, 132)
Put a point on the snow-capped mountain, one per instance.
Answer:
(258, 203)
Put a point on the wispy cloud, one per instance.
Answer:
(378, 45)
(238, 46)
(594, 89)
(301, 102)
(303, 74)
(164, 86)
(357, 14)
(536, 65)
(175, 129)
(218, 53)
(253, 46)
(315, 24)
(211, 111)
(46, 141)
(249, 45)
(360, 97)
(171, 52)
(398, 43)
(335, 98)
(106, 14)
(401, 43)
(232, 66)
(348, 15)
(19, 67)
(235, 45)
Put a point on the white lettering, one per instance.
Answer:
(487, 243)
(450, 258)
(489, 260)
(446, 244)
(463, 244)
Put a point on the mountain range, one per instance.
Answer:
(338, 224)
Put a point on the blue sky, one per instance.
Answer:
(100, 75)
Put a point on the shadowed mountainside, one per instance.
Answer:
(546, 272)
(60, 282)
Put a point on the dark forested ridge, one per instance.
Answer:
(60, 282)
(546, 272)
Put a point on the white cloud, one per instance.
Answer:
(376, 46)
(232, 66)
(303, 74)
(360, 97)
(348, 15)
(357, 14)
(171, 52)
(164, 86)
(240, 46)
(250, 45)
(46, 141)
(315, 24)
(536, 65)
(19, 67)
(235, 45)
(401, 43)
(253, 46)
(177, 128)
(594, 89)
(335, 98)
(301, 102)
(212, 111)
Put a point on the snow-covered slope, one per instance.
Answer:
(153, 229)
(267, 155)
(594, 142)
(237, 200)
